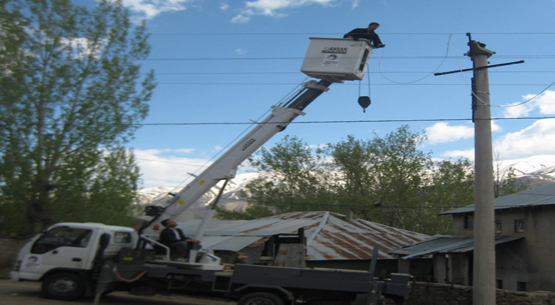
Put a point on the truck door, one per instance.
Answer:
(60, 247)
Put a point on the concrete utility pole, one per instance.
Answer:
(484, 217)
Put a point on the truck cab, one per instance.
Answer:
(63, 256)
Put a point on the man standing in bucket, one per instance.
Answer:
(367, 34)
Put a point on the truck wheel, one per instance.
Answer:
(63, 286)
(260, 298)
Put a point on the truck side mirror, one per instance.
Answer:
(104, 240)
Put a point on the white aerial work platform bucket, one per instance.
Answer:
(337, 59)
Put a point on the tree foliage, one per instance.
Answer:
(72, 99)
(505, 181)
(384, 179)
(292, 179)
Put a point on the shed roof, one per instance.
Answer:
(543, 195)
(445, 244)
(329, 235)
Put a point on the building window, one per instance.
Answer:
(498, 228)
(519, 225)
(499, 284)
(521, 286)
(469, 221)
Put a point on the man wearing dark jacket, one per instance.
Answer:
(178, 243)
(367, 34)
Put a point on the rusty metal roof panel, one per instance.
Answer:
(229, 243)
(445, 244)
(498, 240)
(543, 195)
(342, 240)
(331, 236)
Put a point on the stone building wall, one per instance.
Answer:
(441, 294)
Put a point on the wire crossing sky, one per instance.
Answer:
(221, 64)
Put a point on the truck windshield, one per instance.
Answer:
(62, 237)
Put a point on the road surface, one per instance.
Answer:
(28, 293)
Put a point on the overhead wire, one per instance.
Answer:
(548, 56)
(313, 33)
(297, 72)
(528, 100)
(321, 122)
(444, 58)
(234, 140)
(425, 76)
(377, 84)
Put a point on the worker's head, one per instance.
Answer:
(373, 25)
(168, 223)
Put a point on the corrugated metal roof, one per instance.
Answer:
(331, 236)
(446, 244)
(543, 195)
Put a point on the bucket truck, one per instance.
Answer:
(77, 259)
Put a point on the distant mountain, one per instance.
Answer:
(230, 199)
(536, 170)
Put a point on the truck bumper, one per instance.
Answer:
(24, 276)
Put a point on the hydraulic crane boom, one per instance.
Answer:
(225, 167)
(331, 60)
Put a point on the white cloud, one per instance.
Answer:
(149, 9)
(355, 3)
(240, 19)
(167, 168)
(184, 150)
(441, 133)
(224, 6)
(544, 102)
(83, 47)
(272, 8)
(455, 154)
(537, 139)
(241, 51)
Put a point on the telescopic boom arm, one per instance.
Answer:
(226, 166)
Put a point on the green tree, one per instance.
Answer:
(354, 183)
(70, 103)
(388, 179)
(391, 181)
(292, 180)
(505, 181)
(449, 185)
(12, 34)
(398, 171)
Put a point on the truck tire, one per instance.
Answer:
(260, 298)
(63, 286)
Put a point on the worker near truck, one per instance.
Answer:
(179, 244)
(368, 34)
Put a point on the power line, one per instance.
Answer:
(297, 72)
(305, 122)
(350, 84)
(347, 121)
(311, 34)
(548, 56)
(314, 122)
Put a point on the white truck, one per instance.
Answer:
(78, 259)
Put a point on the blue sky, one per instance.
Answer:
(229, 61)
